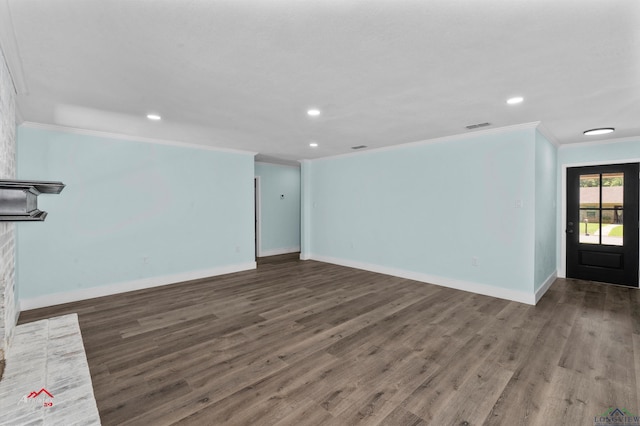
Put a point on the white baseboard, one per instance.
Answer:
(545, 286)
(275, 252)
(472, 287)
(123, 287)
(305, 256)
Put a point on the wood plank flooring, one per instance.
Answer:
(308, 343)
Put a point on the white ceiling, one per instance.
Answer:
(241, 73)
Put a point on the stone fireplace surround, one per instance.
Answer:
(48, 356)
(8, 303)
(47, 353)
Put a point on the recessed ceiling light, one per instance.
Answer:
(154, 117)
(515, 100)
(600, 131)
(313, 145)
(313, 112)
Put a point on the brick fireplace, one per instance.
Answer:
(8, 303)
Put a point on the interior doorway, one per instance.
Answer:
(277, 190)
(602, 223)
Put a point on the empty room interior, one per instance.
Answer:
(319, 213)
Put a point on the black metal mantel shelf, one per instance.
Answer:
(19, 199)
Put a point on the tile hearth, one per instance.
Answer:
(46, 379)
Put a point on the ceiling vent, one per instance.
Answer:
(475, 126)
(358, 147)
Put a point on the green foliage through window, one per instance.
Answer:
(607, 181)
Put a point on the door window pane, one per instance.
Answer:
(613, 190)
(612, 208)
(601, 208)
(589, 226)
(589, 191)
(612, 229)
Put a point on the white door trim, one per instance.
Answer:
(258, 213)
(562, 268)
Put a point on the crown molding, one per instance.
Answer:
(19, 116)
(601, 142)
(9, 47)
(121, 136)
(267, 159)
(547, 134)
(283, 164)
(460, 136)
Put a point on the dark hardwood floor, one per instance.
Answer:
(307, 343)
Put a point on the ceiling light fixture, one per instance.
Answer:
(600, 131)
(515, 100)
(313, 112)
(154, 117)
(313, 145)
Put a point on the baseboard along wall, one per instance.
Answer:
(123, 287)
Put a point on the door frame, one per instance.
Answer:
(562, 268)
(258, 215)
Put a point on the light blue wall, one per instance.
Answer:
(280, 217)
(546, 186)
(430, 208)
(623, 151)
(182, 209)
